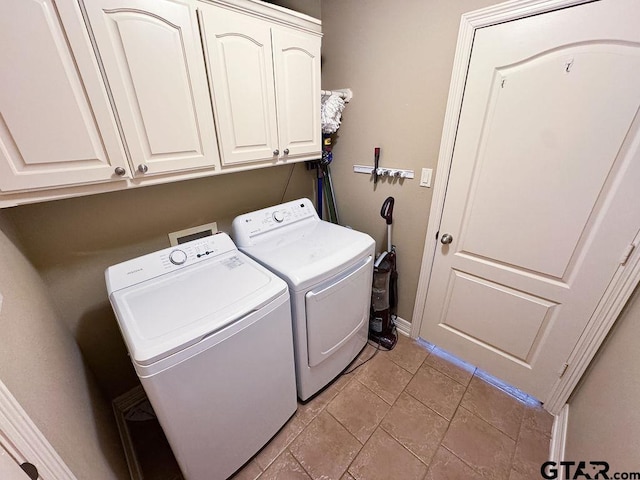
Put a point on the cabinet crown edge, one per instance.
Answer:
(273, 13)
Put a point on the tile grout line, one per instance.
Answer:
(515, 450)
(428, 465)
(449, 426)
(389, 410)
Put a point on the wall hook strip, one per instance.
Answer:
(344, 93)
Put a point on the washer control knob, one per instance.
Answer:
(278, 216)
(178, 257)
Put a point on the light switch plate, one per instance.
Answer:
(425, 177)
(192, 233)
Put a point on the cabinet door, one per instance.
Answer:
(154, 63)
(241, 70)
(297, 79)
(56, 124)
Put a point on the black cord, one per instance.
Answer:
(378, 348)
(284, 192)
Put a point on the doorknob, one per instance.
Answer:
(446, 239)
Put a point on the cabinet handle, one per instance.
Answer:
(276, 152)
(120, 171)
(286, 151)
(142, 168)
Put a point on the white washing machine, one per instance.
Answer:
(209, 333)
(329, 270)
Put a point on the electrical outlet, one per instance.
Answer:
(425, 177)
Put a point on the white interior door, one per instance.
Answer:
(9, 469)
(541, 202)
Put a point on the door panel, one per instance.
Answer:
(564, 133)
(336, 311)
(56, 125)
(241, 68)
(539, 199)
(482, 310)
(297, 77)
(153, 59)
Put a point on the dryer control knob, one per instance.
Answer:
(278, 216)
(178, 257)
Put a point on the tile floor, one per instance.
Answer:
(408, 414)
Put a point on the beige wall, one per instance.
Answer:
(397, 58)
(308, 7)
(604, 411)
(72, 241)
(42, 367)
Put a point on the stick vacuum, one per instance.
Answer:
(384, 292)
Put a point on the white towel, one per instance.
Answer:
(331, 112)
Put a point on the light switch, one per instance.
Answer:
(425, 177)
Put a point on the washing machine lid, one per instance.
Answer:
(163, 308)
(309, 252)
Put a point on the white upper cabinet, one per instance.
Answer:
(56, 124)
(102, 95)
(241, 68)
(154, 64)
(297, 79)
(265, 80)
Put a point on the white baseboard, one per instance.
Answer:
(403, 326)
(559, 435)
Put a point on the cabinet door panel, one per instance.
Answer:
(56, 126)
(297, 80)
(241, 70)
(153, 60)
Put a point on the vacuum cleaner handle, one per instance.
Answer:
(386, 211)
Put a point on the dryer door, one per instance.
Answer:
(337, 310)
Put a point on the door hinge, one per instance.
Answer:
(627, 253)
(563, 370)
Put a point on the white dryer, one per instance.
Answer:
(209, 333)
(329, 270)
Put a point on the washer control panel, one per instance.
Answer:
(173, 258)
(262, 221)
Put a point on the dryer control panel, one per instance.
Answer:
(250, 225)
(158, 263)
